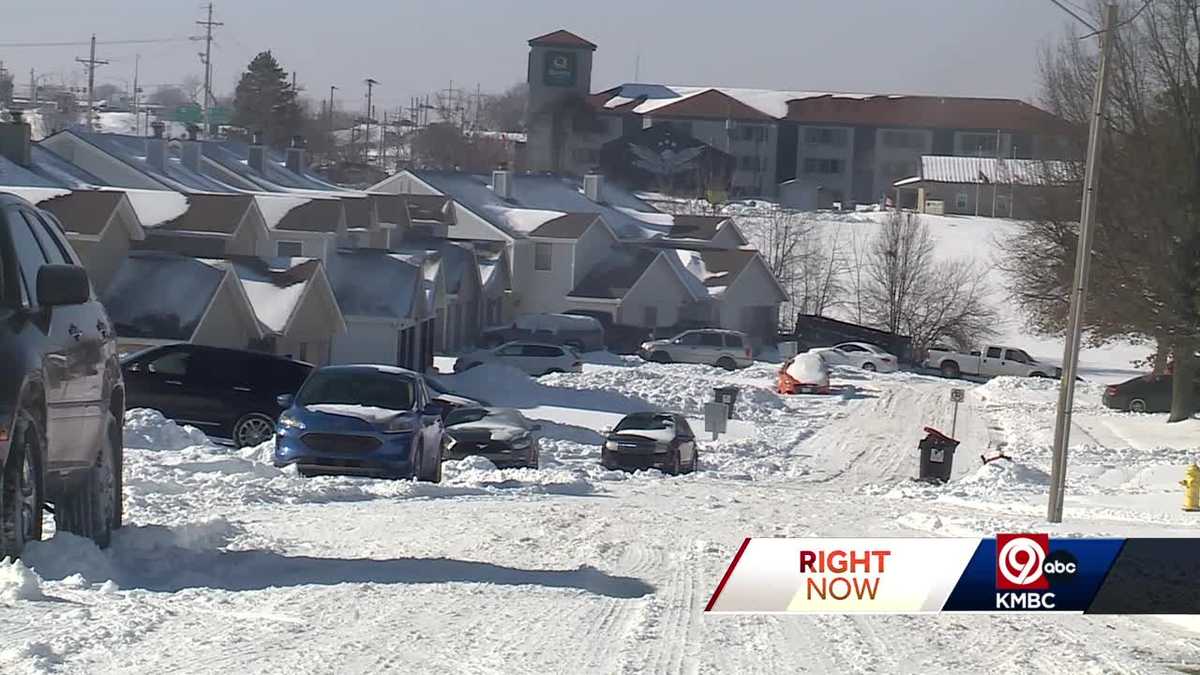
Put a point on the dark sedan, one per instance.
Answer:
(226, 393)
(651, 440)
(502, 435)
(1148, 393)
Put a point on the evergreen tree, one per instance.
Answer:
(265, 101)
(6, 87)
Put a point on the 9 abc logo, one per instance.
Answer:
(1024, 563)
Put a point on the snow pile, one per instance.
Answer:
(18, 583)
(1005, 476)
(148, 430)
(70, 557)
(480, 473)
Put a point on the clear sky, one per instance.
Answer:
(413, 47)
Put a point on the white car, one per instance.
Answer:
(532, 357)
(861, 355)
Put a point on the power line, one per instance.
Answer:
(91, 62)
(1133, 17)
(1078, 18)
(84, 43)
(206, 57)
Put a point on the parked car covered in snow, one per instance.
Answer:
(1148, 393)
(581, 333)
(450, 400)
(226, 393)
(806, 373)
(863, 355)
(534, 358)
(363, 421)
(62, 400)
(726, 349)
(988, 361)
(503, 436)
(651, 440)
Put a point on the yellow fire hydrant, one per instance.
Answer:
(1191, 488)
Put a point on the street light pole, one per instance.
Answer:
(1083, 259)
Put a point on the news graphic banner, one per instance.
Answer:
(1008, 573)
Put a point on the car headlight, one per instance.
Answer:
(647, 345)
(521, 443)
(289, 421)
(611, 446)
(399, 426)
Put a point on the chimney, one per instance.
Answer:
(593, 186)
(193, 132)
(258, 154)
(295, 155)
(14, 140)
(191, 153)
(156, 147)
(502, 183)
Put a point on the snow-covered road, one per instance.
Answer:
(231, 566)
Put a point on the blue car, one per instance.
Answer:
(376, 421)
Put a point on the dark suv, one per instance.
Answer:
(61, 400)
(226, 393)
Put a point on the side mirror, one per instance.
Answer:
(59, 285)
(434, 409)
(150, 368)
(285, 400)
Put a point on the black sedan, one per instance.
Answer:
(502, 435)
(226, 393)
(1148, 393)
(651, 440)
(451, 401)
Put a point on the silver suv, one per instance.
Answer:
(726, 349)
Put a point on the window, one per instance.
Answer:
(850, 349)
(289, 249)
(55, 254)
(650, 316)
(961, 200)
(993, 352)
(734, 341)
(689, 339)
(30, 257)
(174, 364)
(748, 133)
(822, 165)
(542, 255)
(822, 136)
(914, 140)
(1016, 356)
(711, 340)
(978, 144)
(511, 350)
(542, 351)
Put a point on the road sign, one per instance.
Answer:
(958, 395)
(190, 113)
(716, 416)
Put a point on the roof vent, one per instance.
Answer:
(158, 126)
(295, 155)
(257, 155)
(593, 187)
(14, 140)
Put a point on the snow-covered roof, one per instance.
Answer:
(155, 207)
(947, 169)
(275, 207)
(13, 174)
(539, 198)
(769, 102)
(275, 288)
(134, 150)
(375, 283)
(161, 295)
(34, 195)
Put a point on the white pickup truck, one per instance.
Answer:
(989, 361)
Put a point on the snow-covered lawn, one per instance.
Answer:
(229, 565)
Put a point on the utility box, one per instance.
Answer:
(728, 396)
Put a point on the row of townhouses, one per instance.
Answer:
(805, 149)
(238, 245)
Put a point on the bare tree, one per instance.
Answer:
(907, 291)
(506, 111)
(809, 265)
(1144, 282)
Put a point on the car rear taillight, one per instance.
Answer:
(886, 359)
(1110, 391)
(748, 354)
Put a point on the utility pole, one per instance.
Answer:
(32, 88)
(995, 185)
(209, 24)
(91, 64)
(137, 61)
(1083, 258)
(371, 82)
(332, 139)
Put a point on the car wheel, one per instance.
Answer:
(553, 371)
(253, 429)
(726, 363)
(90, 510)
(870, 367)
(950, 369)
(660, 357)
(1137, 405)
(426, 474)
(1039, 374)
(21, 498)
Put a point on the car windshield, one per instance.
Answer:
(646, 422)
(374, 389)
(465, 416)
